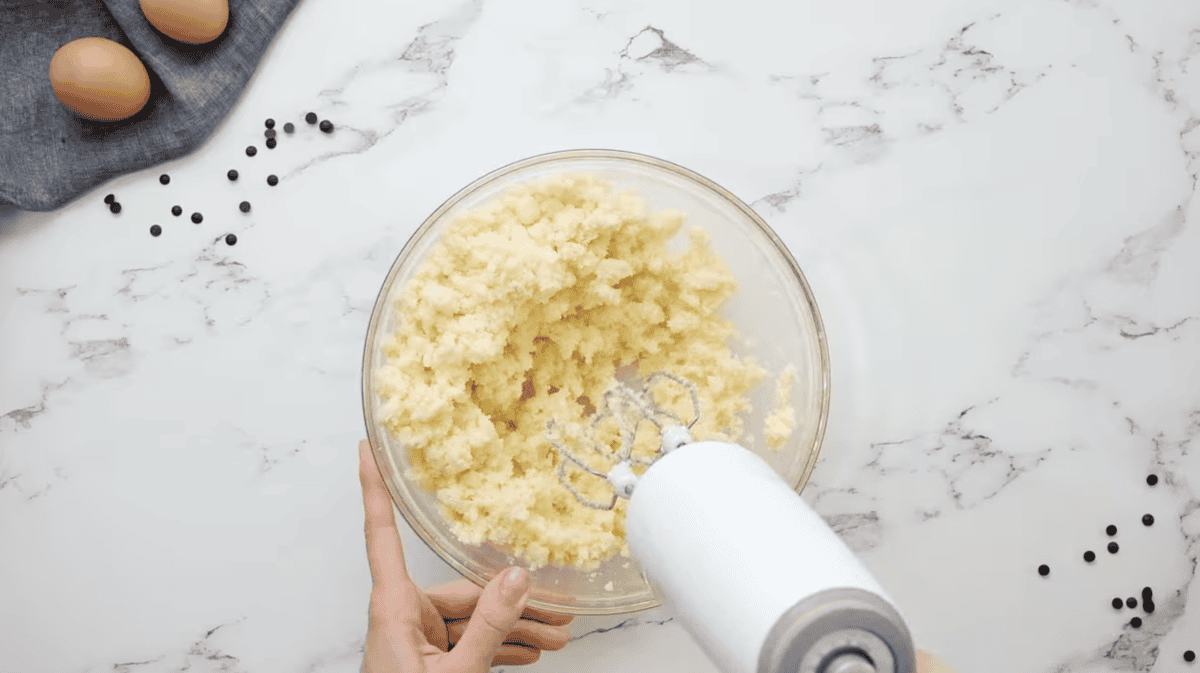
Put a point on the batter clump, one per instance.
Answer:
(524, 311)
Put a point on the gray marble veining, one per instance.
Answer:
(992, 201)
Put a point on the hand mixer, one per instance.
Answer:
(759, 580)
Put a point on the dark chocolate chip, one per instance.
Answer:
(115, 207)
(155, 230)
(311, 117)
(231, 239)
(164, 178)
(244, 206)
(272, 180)
(326, 126)
(197, 218)
(232, 174)
(176, 211)
(251, 151)
(271, 142)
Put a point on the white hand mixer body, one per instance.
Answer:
(758, 579)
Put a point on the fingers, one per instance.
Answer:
(547, 617)
(515, 655)
(457, 600)
(931, 663)
(527, 633)
(497, 612)
(384, 551)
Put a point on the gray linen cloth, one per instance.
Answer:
(48, 155)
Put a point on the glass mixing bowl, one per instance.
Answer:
(773, 310)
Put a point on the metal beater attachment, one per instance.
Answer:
(628, 404)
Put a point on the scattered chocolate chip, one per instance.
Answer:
(176, 211)
(197, 218)
(164, 178)
(1111, 530)
(1089, 556)
(244, 206)
(1113, 547)
(1147, 593)
(1136, 622)
(1189, 656)
(311, 117)
(289, 127)
(271, 142)
(231, 239)
(272, 180)
(110, 198)
(251, 151)
(232, 174)
(1118, 603)
(115, 207)
(1131, 602)
(1148, 520)
(326, 126)
(1148, 606)
(269, 133)
(155, 230)
(1043, 570)
(1152, 479)
(270, 123)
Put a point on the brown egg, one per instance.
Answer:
(99, 79)
(191, 21)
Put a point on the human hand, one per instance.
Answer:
(453, 628)
(929, 663)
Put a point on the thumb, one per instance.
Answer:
(497, 612)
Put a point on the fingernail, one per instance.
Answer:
(515, 584)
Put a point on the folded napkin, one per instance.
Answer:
(48, 155)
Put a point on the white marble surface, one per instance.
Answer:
(992, 200)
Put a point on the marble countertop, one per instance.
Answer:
(993, 202)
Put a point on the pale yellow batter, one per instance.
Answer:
(523, 312)
(780, 423)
